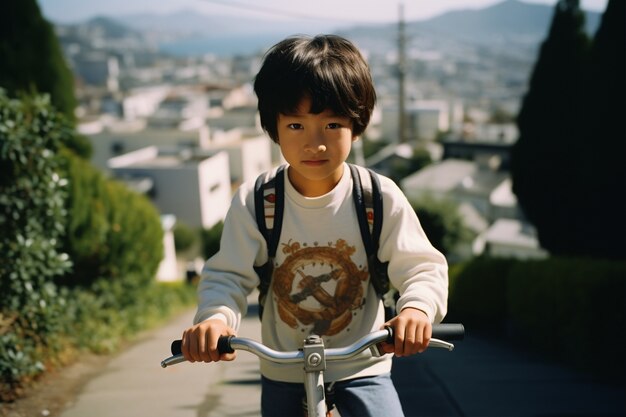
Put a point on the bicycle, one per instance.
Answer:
(314, 356)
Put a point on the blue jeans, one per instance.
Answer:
(361, 397)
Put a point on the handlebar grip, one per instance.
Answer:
(449, 331)
(223, 346)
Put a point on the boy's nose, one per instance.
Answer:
(315, 145)
(318, 148)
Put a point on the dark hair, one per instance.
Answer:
(328, 69)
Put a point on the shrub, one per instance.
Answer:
(184, 237)
(442, 223)
(32, 222)
(478, 294)
(53, 201)
(113, 232)
(567, 307)
(211, 240)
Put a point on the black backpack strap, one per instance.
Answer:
(269, 203)
(368, 201)
(362, 197)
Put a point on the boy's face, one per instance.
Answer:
(315, 146)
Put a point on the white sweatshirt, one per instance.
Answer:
(320, 283)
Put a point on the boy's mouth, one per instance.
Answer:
(314, 162)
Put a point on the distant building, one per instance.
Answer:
(457, 180)
(233, 118)
(489, 143)
(424, 120)
(120, 137)
(98, 69)
(498, 155)
(509, 238)
(197, 190)
(485, 201)
(249, 152)
(142, 102)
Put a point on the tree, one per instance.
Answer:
(602, 152)
(568, 166)
(543, 163)
(31, 59)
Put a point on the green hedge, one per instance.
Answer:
(32, 223)
(573, 309)
(210, 240)
(478, 294)
(113, 232)
(569, 309)
(78, 252)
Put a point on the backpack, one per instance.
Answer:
(269, 204)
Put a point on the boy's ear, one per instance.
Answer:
(355, 138)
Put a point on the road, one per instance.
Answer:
(479, 378)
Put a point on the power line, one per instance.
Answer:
(275, 12)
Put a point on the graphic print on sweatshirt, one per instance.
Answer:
(319, 287)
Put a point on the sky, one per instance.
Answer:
(348, 11)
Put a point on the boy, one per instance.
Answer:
(315, 97)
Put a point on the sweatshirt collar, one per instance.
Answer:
(337, 194)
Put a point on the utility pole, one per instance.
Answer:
(402, 130)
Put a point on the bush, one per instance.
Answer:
(184, 237)
(211, 240)
(52, 201)
(573, 309)
(113, 232)
(561, 307)
(442, 223)
(478, 294)
(32, 222)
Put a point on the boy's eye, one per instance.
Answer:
(294, 126)
(334, 125)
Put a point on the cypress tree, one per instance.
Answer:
(31, 59)
(542, 162)
(602, 153)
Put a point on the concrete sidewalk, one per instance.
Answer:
(134, 385)
(479, 378)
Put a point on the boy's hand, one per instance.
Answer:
(200, 342)
(412, 332)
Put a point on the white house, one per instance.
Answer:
(249, 152)
(509, 238)
(458, 180)
(121, 137)
(424, 119)
(143, 101)
(196, 189)
(486, 202)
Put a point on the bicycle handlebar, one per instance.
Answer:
(228, 344)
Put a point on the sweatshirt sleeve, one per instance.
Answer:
(416, 268)
(228, 277)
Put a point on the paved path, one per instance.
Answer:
(134, 385)
(479, 378)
